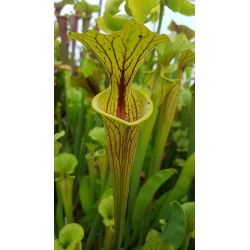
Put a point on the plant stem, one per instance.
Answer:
(160, 17)
(66, 187)
(100, 10)
(108, 239)
(158, 31)
(59, 209)
(144, 137)
(79, 127)
(122, 141)
(145, 226)
(90, 160)
(191, 129)
(92, 234)
(162, 127)
(103, 166)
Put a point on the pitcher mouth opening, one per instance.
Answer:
(147, 110)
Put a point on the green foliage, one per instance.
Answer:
(174, 230)
(180, 189)
(106, 209)
(59, 135)
(140, 14)
(189, 209)
(112, 6)
(83, 7)
(183, 6)
(65, 164)
(57, 144)
(146, 194)
(148, 204)
(98, 134)
(84, 191)
(70, 238)
(154, 241)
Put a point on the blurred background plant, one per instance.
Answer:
(161, 201)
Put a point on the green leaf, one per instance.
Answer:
(59, 135)
(112, 6)
(189, 209)
(81, 6)
(175, 229)
(154, 14)
(102, 25)
(88, 66)
(65, 163)
(185, 98)
(102, 157)
(117, 22)
(89, 84)
(106, 209)
(180, 189)
(179, 162)
(91, 148)
(84, 194)
(159, 85)
(182, 6)
(141, 11)
(70, 235)
(98, 134)
(171, 68)
(179, 43)
(191, 129)
(188, 8)
(74, 96)
(127, 9)
(57, 146)
(94, 8)
(58, 245)
(187, 58)
(163, 125)
(90, 216)
(154, 241)
(158, 204)
(84, 7)
(146, 194)
(175, 5)
(107, 193)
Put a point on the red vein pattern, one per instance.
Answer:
(122, 53)
(122, 106)
(122, 142)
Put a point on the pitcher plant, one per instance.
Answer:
(122, 105)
